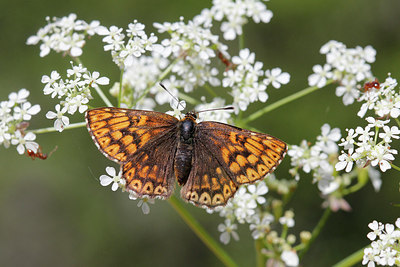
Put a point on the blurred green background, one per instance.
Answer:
(56, 213)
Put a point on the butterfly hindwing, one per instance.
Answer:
(245, 155)
(150, 171)
(208, 183)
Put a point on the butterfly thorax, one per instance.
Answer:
(184, 152)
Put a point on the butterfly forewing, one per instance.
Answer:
(120, 133)
(245, 155)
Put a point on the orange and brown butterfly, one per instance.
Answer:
(210, 160)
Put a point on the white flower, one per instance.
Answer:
(144, 203)
(227, 230)
(372, 122)
(346, 161)
(276, 77)
(390, 132)
(177, 107)
(56, 89)
(348, 143)
(320, 75)
(245, 58)
(384, 246)
(17, 98)
(135, 29)
(112, 177)
(77, 103)
(382, 156)
(256, 193)
(287, 219)
(261, 226)
(376, 230)
(328, 138)
(375, 177)
(49, 81)
(348, 90)
(93, 79)
(61, 120)
(26, 111)
(24, 142)
(290, 258)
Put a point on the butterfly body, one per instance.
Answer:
(184, 151)
(208, 159)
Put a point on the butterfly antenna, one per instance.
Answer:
(174, 97)
(214, 109)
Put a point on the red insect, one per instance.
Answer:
(39, 154)
(227, 63)
(369, 85)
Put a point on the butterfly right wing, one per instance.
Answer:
(226, 157)
(141, 141)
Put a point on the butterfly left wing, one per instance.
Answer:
(229, 156)
(141, 142)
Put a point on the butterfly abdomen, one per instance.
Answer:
(184, 152)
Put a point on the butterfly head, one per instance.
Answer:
(191, 115)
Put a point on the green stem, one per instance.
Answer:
(259, 256)
(351, 260)
(209, 90)
(316, 231)
(241, 41)
(188, 99)
(397, 121)
(201, 232)
(103, 96)
(52, 129)
(395, 167)
(362, 180)
(282, 102)
(120, 88)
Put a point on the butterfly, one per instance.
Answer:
(210, 160)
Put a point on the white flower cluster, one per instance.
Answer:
(138, 43)
(316, 158)
(66, 34)
(362, 146)
(348, 66)
(385, 246)
(74, 92)
(384, 101)
(233, 15)
(140, 78)
(192, 46)
(372, 144)
(14, 116)
(217, 115)
(249, 81)
(250, 206)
